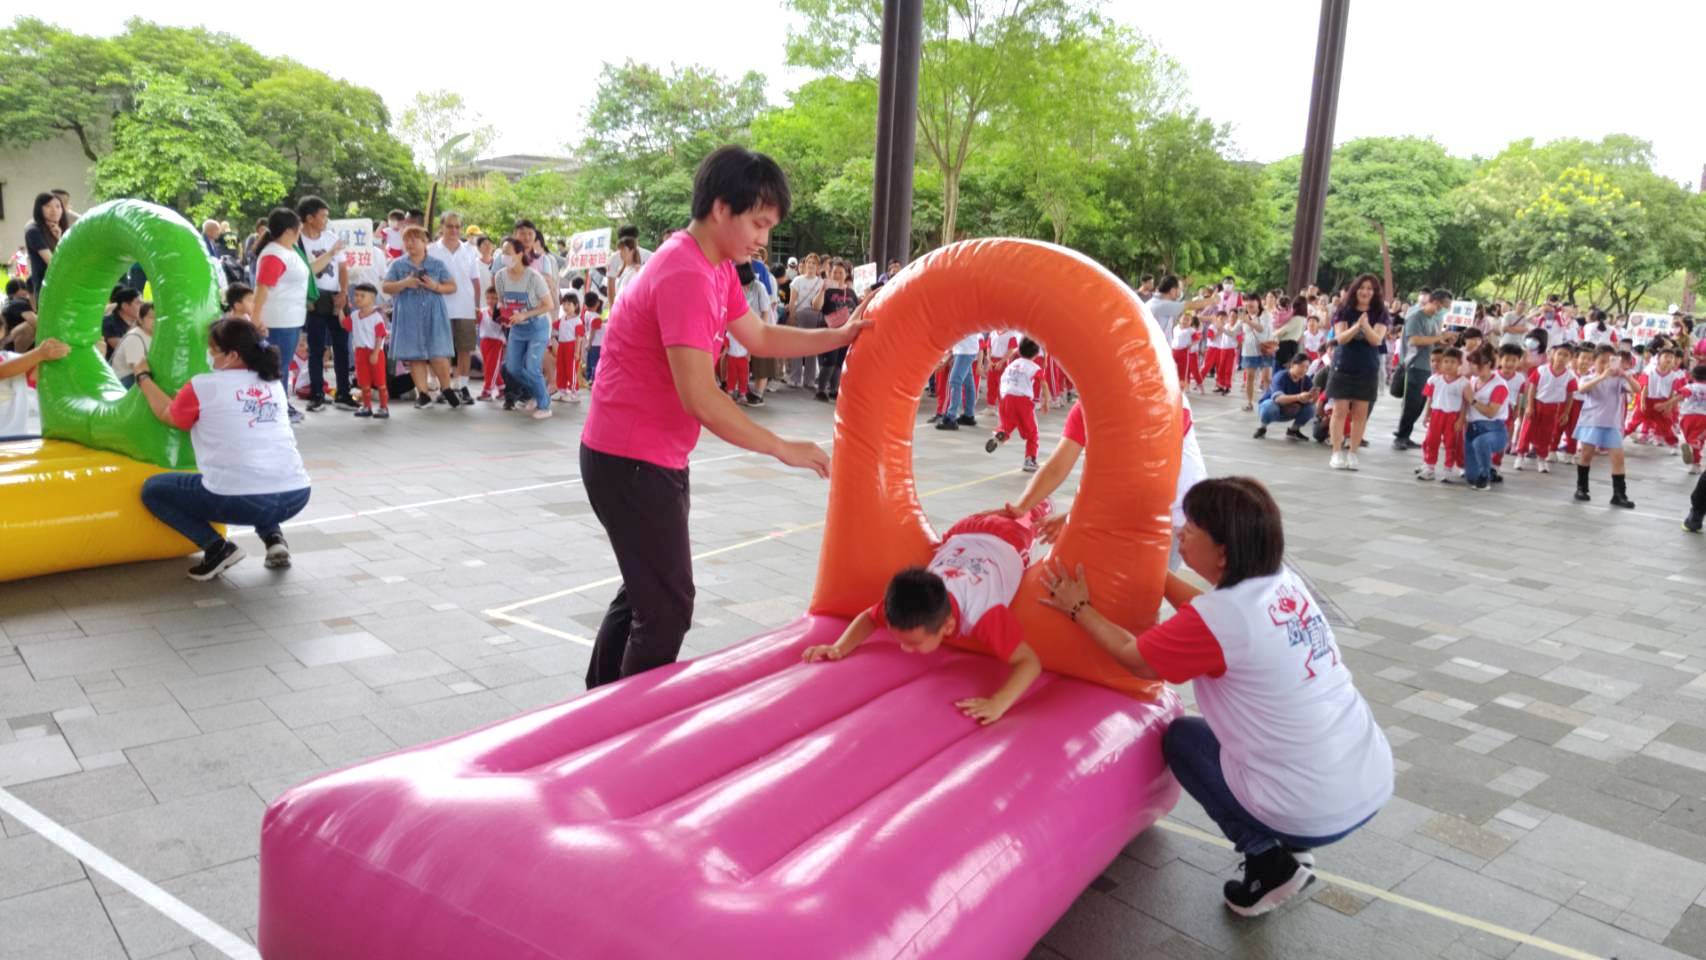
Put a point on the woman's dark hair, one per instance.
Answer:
(1597, 315)
(1540, 337)
(519, 249)
(123, 296)
(916, 598)
(1376, 304)
(744, 273)
(144, 310)
(239, 336)
(235, 293)
(281, 221)
(1241, 517)
(42, 200)
(741, 178)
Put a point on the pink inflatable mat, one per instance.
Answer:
(741, 805)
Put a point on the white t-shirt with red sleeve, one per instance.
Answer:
(1551, 387)
(1192, 468)
(1659, 386)
(240, 432)
(1494, 391)
(1447, 395)
(982, 573)
(679, 300)
(280, 269)
(1019, 378)
(367, 330)
(1184, 336)
(1299, 747)
(1693, 400)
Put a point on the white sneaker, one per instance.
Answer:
(530, 405)
(1426, 473)
(1350, 461)
(1519, 461)
(542, 414)
(1544, 467)
(1338, 461)
(572, 397)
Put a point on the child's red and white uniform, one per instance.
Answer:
(1018, 401)
(981, 560)
(570, 329)
(1516, 383)
(1648, 418)
(1002, 344)
(942, 387)
(393, 237)
(1447, 396)
(739, 367)
(1572, 415)
(1552, 391)
(367, 337)
(1313, 342)
(1184, 341)
(1299, 746)
(1192, 468)
(1693, 411)
(491, 351)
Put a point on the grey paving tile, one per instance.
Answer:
(37, 758)
(129, 728)
(62, 923)
(1099, 927)
(29, 863)
(181, 836)
(198, 692)
(1658, 885)
(228, 894)
(387, 669)
(50, 659)
(213, 761)
(407, 726)
(328, 648)
(301, 708)
(1572, 929)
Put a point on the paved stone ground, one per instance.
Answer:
(1537, 664)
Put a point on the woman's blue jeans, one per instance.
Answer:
(1482, 439)
(526, 354)
(960, 384)
(181, 502)
(1193, 754)
(284, 338)
(592, 354)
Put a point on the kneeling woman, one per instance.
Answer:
(250, 473)
(1287, 755)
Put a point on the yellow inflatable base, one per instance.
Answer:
(64, 506)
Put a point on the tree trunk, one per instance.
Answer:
(950, 203)
(1385, 257)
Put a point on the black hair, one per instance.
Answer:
(1605, 349)
(235, 293)
(13, 286)
(1452, 353)
(42, 200)
(1029, 348)
(1510, 350)
(123, 295)
(573, 298)
(1376, 303)
(239, 336)
(1441, 295)
(310, 205)
(1473, 334)
(593, 299)
(365, 287)
(482, 238)
(1540, 337)
(577, 283)
(1146, 278)
(745, 273)
(281, 221)
(1481, 356)
(524, 224)
(144, 310)
(394, 215)
(415, 214)
(741, 178)
(916, 598)
(1437, 351)
(1241, 517)
(627, 231)
(1698, 374)
(1168, 284)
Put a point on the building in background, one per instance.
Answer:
(511, 166)
(57, 164)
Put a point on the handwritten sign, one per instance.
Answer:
(589, 249)
(1646, 326)
(864, 275)
(360, 251)
(1461, 314)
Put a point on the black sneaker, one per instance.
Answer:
(1270, 879)
(448, 395)
(1692, 523)
(822, 397)
(345, 403)
(422, 401)
(947, 423)
(440, 400)
(1620, 500)
(1261, 431)
(509, 403)
(1497, 477)
(278, 552)
(383, 413)
(754, 400)
(216, 560)
(995, 441)
(1583, 495)
(463, 395)
(316, 405)
(1364, 444)
(364, 413)
(1295, 434)
(1480, 485)
(967, 421)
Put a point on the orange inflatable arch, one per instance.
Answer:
(1093, 324)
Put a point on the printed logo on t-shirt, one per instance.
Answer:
(1304, 626)
(258, 404)
(959, 564)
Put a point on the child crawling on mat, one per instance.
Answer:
(966, 591)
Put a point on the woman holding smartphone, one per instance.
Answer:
(420, 326)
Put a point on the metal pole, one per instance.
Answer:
(897, 131)
(1318, 144)
(1688, 279)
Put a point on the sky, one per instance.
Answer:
(1472, 74)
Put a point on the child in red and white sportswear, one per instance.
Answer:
(1019, 383)
(366, 326)
(1446, 392)
(1658, 401)
(737, 371)
(1185, 337)
(392, 233)
(967, 591)
(592, 329)
(570, 328)
(1693, 408)
(1515, 381)
(491, 346)
(1583, 367)
(1550, 388)
(1003, 346)
(1314, 338)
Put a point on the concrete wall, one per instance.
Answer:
(38, 168)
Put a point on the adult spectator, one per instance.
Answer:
(64, 198)
(1421, 333)
(48, 222)
(894, 267)
(210, 233)
(836, 300)
(252, 249)
(283, 283)
(1359, 332)
(420, 329)
(1146, 287)
(18, 316)
(1287, 756)
(124, 309)
(1291, 398)
(627, 270)
(524, 304)
(463, 303)
(132, 348)
(804, 314)
(324, 323)
(635, 445)
(630, 232)
(251, 474)
(1167, 305)
(962, 382)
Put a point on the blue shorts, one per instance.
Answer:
(1256, 362)
(1605, 438)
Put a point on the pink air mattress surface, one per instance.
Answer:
(741, 805)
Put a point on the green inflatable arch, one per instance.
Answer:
(81, 399)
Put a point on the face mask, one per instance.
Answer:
(1531, 344)
(210, 358)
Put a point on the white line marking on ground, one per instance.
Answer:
(133, 883)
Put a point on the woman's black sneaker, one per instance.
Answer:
(448, 395)
(364, 412)
(967, 421)
(278, 552)
(754, 400)
(422, 401)
(466, 397)
(215, 560)
(947, 423)
(316, 405)
(1270, 879)
(822, 397)
(1694, 521)
(509, 403)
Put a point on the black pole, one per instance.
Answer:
(897, 131)
(1318, 144)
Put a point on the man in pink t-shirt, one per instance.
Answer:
(657, 387)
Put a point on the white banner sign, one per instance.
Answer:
(361, 249)
(1461, 314)
(589, 249)
(864, 275)
(1645, 326)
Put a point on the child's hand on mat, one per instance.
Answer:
(985, 710)
(823, 651)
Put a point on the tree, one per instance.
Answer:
(330, 139)
(445, 131)
(57, 82)
(181, 149)
(828, 123)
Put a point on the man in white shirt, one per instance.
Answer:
(324, 323)
(461, 305)
(1167, 304)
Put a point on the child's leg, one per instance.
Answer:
(1180, 362)
(363, 375)
(1694, 433)
(738, 370)
(1616, 461)
(381, 382)
(1431, 441)
(565, 363)
(1008, 413)
(1453, 445)
(1662, 426)
(1028, 428)
(1228, 357)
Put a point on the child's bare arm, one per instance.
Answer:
(1026, 669)
(856, 633)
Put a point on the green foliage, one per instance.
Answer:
(446, 132)
(201, 120)
(557, 203)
